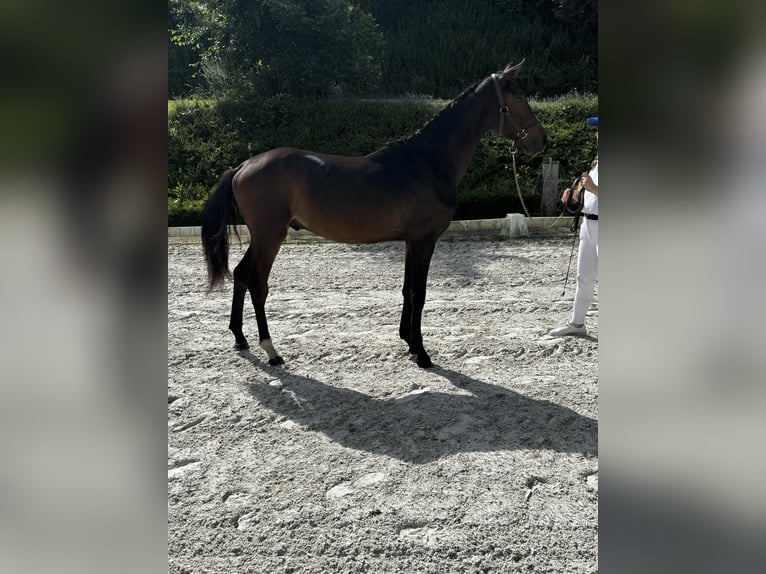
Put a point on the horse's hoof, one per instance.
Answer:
(241, 346)
(276, 361)
(424, 362)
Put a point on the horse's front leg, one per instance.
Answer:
(405, 326)
(421, 261)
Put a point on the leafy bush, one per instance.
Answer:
(207, 137)
(187, 213)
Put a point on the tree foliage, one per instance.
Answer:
(435, 47)
(300, 47)
(374, 47)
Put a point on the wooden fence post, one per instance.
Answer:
(550, 187)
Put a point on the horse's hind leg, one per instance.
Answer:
(264, 253)
(241, 276)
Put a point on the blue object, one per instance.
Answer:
(593, 121)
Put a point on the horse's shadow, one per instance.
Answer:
(424, 426)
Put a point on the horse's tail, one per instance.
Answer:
(220, 211)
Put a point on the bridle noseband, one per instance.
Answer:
(521, 133)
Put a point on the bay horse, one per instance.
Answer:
(402, 192)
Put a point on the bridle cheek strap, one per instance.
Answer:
(521, 133)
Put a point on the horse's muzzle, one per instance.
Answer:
(531, 139)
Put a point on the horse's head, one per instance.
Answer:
(514, 117)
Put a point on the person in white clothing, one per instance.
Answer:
(587, 254)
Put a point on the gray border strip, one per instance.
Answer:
(512, 225)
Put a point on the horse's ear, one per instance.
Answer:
(511, 70)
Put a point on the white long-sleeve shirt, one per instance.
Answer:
(590, 200)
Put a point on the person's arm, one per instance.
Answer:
(589, 184)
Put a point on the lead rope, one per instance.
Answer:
(516, 180)
(513, 151)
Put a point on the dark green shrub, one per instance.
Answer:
(187, 213)
(207, 137)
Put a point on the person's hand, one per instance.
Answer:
(569, 193)
(588, 183)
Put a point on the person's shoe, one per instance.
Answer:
(569, 329)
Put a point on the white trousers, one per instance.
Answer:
(587, 269)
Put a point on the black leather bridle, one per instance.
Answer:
(505, 113)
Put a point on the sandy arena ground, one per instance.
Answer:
(350, 458)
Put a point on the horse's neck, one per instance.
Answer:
(452, 139)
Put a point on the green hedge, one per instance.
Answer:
(207, 137)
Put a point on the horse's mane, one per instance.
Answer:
(469, 90)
